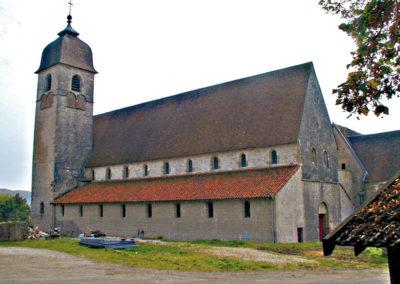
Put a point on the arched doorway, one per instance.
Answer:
(323, 222)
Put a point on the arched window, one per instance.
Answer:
(62, 210)
(126, 172)
(247, 212)
(326, 159)
(167, 169)
(215, 163)
(178, 210)
(210, 207)
(189, 166)
(41, 208)
(93, 175)
(145, 170)
(81, 210)
(48, 83)
(274, 157)
(243, 160)
(76, 83)
(108, 173)
(314, 156)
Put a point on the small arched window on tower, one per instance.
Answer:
(189, 166)
(243, 160)
(314, 157)
(326, 159)
(41, 209)
(76, 83)
(48, 83)
(274, 157)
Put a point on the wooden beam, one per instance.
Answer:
(394, 264)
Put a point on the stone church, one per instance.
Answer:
(252, 159)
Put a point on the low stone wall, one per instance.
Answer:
(13, 231)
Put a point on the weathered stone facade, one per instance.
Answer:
(63, 134)
(324, 187)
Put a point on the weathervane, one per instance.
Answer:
(69, 15)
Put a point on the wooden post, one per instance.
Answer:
(394, 265)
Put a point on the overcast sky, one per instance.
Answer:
(150, 49)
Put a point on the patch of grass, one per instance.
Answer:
(193, 256)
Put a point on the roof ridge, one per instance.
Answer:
(203, 89)
(376, 134)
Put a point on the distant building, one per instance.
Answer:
(255, 158)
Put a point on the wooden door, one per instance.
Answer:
(321, 219)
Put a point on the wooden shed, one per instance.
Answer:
(377, 224)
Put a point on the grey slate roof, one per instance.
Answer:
(380, 153)
(258, 111)
(67, 49)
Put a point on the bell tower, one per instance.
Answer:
(63, 122)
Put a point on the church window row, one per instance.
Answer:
(166, 167)
(149, 210)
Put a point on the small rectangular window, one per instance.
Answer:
(343, 166)
(247, 209)
(41, 209)
(210, 207)
(81, 210)
(145, 170)
(149, 211)
(123, 210)
(62, 210)
(178, 210)
(93, 175)
(101, 210)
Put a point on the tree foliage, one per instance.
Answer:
(13, 208)
(375, 67)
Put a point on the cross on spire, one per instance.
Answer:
(70, 6)
(69, 15)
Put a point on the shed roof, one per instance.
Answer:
(375, 225)
(380, 153)
(248, 184)
(258, 111)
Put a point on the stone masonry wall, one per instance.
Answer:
(287, 154)
(228, 223)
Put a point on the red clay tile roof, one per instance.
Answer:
(258, 111)
(251, 183)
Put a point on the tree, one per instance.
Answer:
(13, 208)
(374, 70)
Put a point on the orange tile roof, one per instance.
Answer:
(250, 183)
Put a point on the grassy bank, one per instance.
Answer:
(196, 256)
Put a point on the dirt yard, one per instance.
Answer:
(25, 265)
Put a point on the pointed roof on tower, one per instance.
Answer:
(69, 50)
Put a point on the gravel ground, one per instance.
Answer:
(255, 255)
(24, 265)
